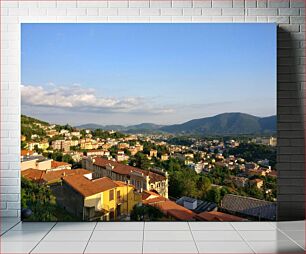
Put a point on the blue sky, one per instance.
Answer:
(134, 73)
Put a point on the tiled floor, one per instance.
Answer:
(152, 237)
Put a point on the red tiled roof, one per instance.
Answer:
(170, 208)
(33, 174)
(26, 152)
(123, 169)
(48, 176)
(146, 194)
(88, 187)
(217, 216)
(94, 150)
(56, 164)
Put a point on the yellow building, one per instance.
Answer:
(153, 153)
(44, 145)
(87, 145)
(99, 199)
(164, 157)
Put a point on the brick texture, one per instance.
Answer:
(289, 14)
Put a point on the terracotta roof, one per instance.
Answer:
(49, 176)
(88, 187)
(81, 171)
(94, 150)
(146, 194)
(273, 173)
(155, 200)
(217, 216)
(56, 164)
(170, 208)
(26, 152)
(123, 169)
(33, 174)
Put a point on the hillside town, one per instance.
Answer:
(106, 175)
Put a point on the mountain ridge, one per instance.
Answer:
(221, 124)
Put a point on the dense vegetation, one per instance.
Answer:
(98, 133)
(183, 141)
(146, 213)
(42, 203)
(254, 152)
(211, 186)
(29, 128)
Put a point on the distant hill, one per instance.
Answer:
(93, 126)
(27, 120)
(222, 124)
(143, 127)
(226, 124)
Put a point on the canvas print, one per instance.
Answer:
(148, 122)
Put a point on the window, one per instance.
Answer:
(118, 194)
(111, 195)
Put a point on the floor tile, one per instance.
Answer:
(253, 226)
(68, 236)
(166, 226)
(216, 236)
(23, 236)
(63, 226)
(276, 247)
(223, 247)
(17, 247)
(290, 225)
(167, 236)
(119, 226)
(273, 235)
(211, 226)
(111, 247)
(297, 236)
(101, 236)
(169, 247)
(60, 247)
(34, 226)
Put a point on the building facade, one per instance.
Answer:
(153, 180)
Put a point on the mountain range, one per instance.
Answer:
(222, 124)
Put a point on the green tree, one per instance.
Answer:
(214, 195)
(145, 213)
(23, 145)
(203, 186)
(140, 160)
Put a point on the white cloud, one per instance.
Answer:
(78, 98)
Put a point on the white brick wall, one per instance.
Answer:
(288, 13)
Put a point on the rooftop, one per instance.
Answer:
(38, 158)
(248, 206)
(56, 164)
(217, 216)
(88, 187)
(201, 204)
(123, 169)
(26, 152)
(47, 176)
(170, 208)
